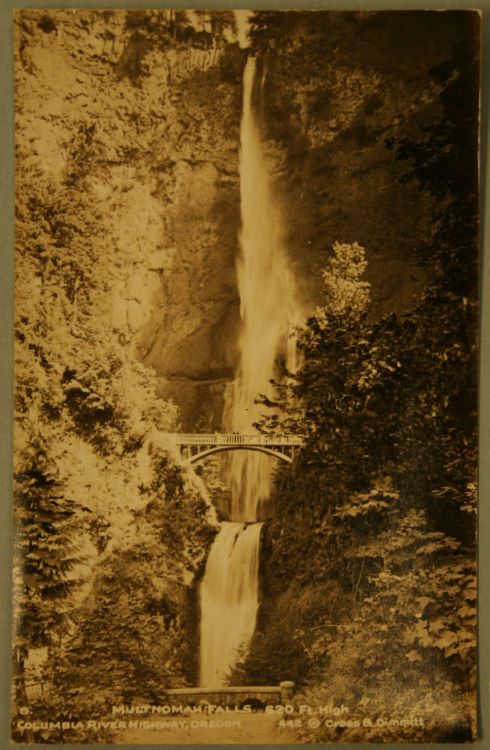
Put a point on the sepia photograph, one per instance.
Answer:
(246, 395)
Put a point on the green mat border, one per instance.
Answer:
(6, 326)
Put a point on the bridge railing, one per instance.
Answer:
(234, 438)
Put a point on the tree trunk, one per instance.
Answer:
(21, 699)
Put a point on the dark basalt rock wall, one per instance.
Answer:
(162, 115)
(334, 90)
(158, 109)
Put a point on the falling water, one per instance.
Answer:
(268, 308)
(269, 311)
(229, 599)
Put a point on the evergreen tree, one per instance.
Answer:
(46, 524)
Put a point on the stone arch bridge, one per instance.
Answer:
(195, 447)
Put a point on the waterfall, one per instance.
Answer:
(268, 310)
(268, 307)
(231, 582)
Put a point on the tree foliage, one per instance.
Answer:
(89, 464)
(383, 492)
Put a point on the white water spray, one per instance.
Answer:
(269, 311)
(268, 308)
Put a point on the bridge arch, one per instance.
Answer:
(205, 452)
(196, 447)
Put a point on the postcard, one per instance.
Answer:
(246, 351)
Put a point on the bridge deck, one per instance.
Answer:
(234, 438)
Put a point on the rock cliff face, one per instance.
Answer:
(156, 105)
(334, 88)
(159, 117)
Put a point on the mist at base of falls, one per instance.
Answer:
(269, 311)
